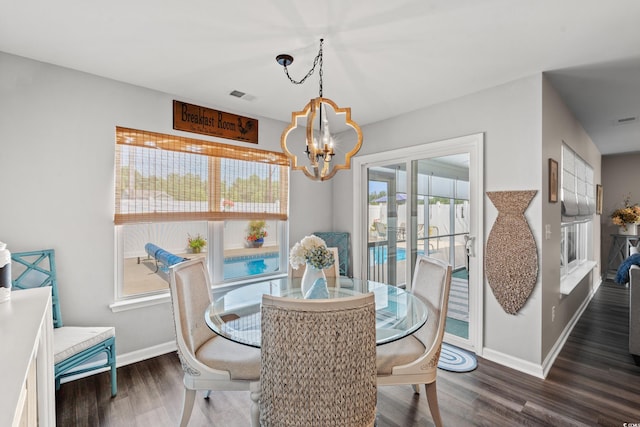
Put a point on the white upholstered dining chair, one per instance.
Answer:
(318, 362)
(209, 362)
(413, 360)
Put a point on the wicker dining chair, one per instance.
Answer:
(318, 362)
(413, 360)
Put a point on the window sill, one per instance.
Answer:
(140, 302)
(568, 284)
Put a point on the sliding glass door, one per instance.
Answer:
(427, 202)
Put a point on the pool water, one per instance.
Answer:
(250, 265)
(270, 263)
(378, 254)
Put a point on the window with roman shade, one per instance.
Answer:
(163, 177)
(578, 189)
(578, 206)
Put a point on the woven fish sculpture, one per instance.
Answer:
(511, 258)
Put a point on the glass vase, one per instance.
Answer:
(310, 277)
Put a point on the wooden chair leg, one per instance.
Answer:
(187, 407)
(432, 399)
(416, 388)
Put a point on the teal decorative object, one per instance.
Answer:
(38, 269)
(340, 240)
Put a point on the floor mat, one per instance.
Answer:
(455, 359)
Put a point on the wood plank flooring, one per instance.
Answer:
(594, 382)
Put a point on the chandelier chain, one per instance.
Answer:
(318, 59)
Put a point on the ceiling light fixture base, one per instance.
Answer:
(284, 59)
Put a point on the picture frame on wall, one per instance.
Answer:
(553, 181)
(598, 199)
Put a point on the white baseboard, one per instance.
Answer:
(513, 362)
(534, 369)
(562, 339)
(145, 353)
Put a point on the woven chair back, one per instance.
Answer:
(318, 362)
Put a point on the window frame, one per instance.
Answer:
(578, 207)
(215, 217)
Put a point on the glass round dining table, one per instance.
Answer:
(235, 313)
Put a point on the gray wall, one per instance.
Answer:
(57, 139)
(558, 125)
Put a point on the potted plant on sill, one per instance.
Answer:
(196, 243)
(256, 233)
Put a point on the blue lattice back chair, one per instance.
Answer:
(340, 240)
(73, 345)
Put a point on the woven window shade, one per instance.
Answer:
(171, 178)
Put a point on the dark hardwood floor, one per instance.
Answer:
(594, 381)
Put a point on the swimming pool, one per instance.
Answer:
(378, 254)
(251, 265)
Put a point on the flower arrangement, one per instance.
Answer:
(311, 250)
(629, 214)
(257, 230)
(196, 243)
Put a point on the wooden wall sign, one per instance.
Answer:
(207, 121)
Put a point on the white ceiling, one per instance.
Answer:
(382, 58)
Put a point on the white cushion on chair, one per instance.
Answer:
(397, 353)
(242, 362)
(71, 340)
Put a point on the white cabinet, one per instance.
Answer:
(27, 395)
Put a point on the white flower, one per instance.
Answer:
(296, 256)
(312, 250)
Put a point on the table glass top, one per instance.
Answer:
(235, 313)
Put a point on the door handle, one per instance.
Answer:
(469, 245)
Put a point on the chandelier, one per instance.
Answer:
(311, 129)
